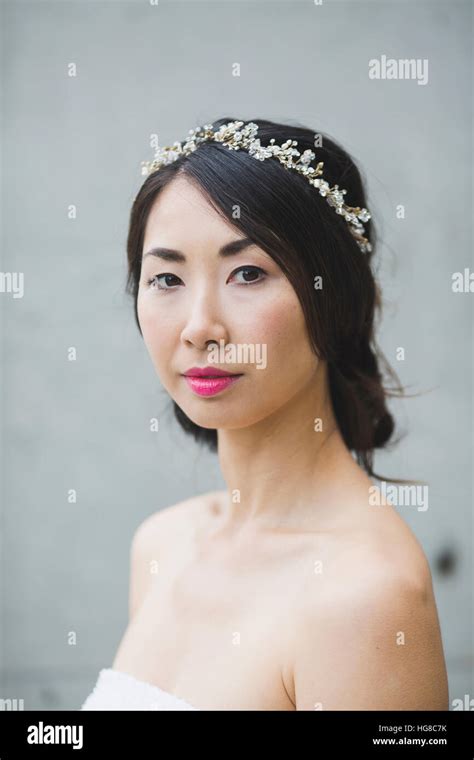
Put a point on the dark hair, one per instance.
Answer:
(284, 215)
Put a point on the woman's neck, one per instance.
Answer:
(287, 468)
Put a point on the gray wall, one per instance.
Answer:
(84, 425)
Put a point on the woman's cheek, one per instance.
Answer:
(151, 326)
(280, 324)
(145, 323)
(267, 315)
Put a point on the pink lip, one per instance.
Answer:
(209, 386)
(208, 372)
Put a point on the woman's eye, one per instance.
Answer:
(167, 281)
(158, 279)
(250, 271)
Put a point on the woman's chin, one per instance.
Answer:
(220, 418)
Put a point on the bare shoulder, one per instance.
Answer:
(156, 528)
(159, 532)
(368, 636)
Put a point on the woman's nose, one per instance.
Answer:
(204, 322)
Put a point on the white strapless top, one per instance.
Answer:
(115, 690)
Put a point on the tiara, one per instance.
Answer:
(237, 135)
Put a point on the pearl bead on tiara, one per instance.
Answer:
(237, 135)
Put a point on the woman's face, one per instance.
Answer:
(240, 302)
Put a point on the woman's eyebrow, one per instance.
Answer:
(229, 249)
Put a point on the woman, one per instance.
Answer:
(288, 590)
